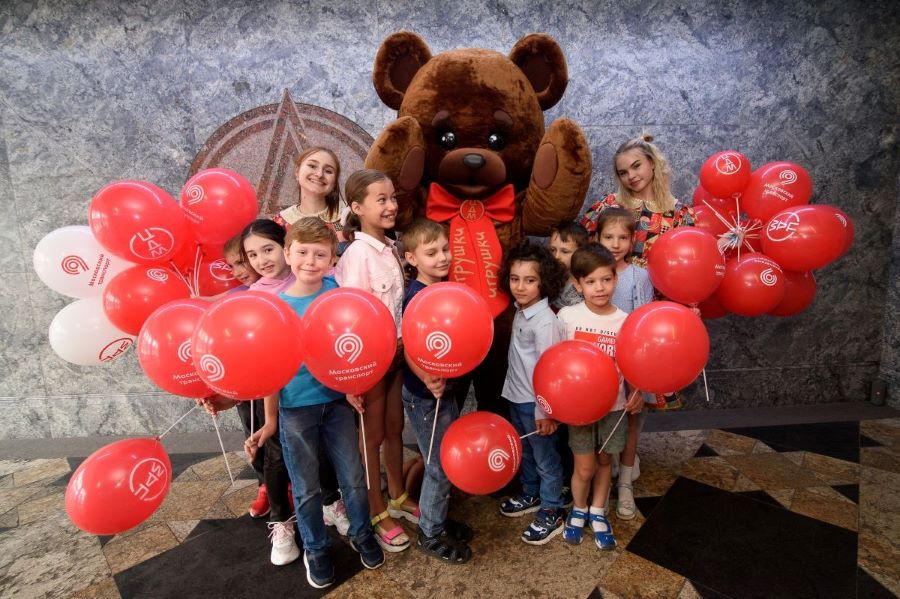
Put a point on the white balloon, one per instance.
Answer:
(82, 334)
(70, 261)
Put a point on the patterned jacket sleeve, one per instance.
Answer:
(589, 220)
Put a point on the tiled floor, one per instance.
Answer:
(793, 511)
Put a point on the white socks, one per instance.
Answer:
(576, 521)
(599, 526)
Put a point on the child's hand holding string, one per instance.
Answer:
(258, 439)
(545, 426)
(435, 384)
(357, 401)
(635, 402)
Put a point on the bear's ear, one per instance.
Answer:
(542, 61)
(399, 58)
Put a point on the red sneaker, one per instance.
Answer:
(260, 506)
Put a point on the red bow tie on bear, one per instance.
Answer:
(474, 244)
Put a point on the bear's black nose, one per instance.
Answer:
(473, 161)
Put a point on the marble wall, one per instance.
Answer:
(97, 91)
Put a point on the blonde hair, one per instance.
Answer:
(355, 190)
(422, 231)
(663, 200)
(311, 230)
(333, 199)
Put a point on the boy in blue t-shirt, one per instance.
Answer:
(428, 251)
(311, 414)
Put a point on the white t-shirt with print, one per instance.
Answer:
(601, 330)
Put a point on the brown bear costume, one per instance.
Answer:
(469, 149)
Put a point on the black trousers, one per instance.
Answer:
(270, 469)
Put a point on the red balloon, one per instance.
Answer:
(164, 348)
(725, 173)
(481, 453)
(662, 347)
(248, 344)
(703, 197)
(711, 308)
(118, 486)
(686, 265)
(137, 221)
(576, 382)
(774, 187)
(753, 285)
(134, 294)
(800, 291)
(849, 231)
(351, 340)
(804, 238)
(706, 219)
(216, 277)
(218, 202)
(447, 329)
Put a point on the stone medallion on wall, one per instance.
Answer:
(263, 142)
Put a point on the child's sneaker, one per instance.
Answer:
(547, 524)
(370, 552)
(284, 547)
(319, 569)
(520, 505)
(336, 515)
(260, 506)
(574, 530)
(625, 504)
(603, 533)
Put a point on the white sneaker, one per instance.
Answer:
(336, 515)
(625, 505)
(284, 547)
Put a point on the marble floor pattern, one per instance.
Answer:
(782, 511)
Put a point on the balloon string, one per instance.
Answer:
(737, 205)
(215, 420)
(164, 433)
(705, 386)
(534, 432)
(180, 276)
(195, 290)
(612, 432)
(437, 408)
(252, 409)
(362, 428)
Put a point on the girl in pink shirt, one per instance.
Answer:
(371, 262)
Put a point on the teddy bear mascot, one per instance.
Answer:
(469, 149)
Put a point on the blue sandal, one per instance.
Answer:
(603, 538)
(573, 534)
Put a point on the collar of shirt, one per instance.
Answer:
(378, 245)
(533, 308)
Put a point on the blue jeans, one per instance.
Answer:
(435, 496)
(302, 431)
(541, 473)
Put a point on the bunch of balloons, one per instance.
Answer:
(768, 235)
(141, 250)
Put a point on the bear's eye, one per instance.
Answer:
(448, 140)
(496, 141)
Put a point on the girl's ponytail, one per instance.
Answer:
(355, 190)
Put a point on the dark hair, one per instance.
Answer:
(617, 215)
(355, 190)
(233, 245)
(333, 199)
(589, 258)
(571, 231)
(553, 274)
(262, 227)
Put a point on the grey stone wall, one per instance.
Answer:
(97, 91)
